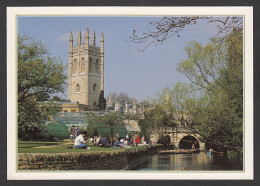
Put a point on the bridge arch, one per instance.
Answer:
(187, 141)
(183, 136)
(178, 135)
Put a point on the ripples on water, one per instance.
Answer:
(200, 161)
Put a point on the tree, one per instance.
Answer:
(39, 75)
(101, 101)
(43, 96)
(212, 105)
(214, 100)
(172, 26)
(156, 114)
(111, 119)
(57, 98)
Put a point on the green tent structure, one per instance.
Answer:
(82, 120)
(58, 130)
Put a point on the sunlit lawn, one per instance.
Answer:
(28, 144)
(60, 147)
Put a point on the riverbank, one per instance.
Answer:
(118, 159)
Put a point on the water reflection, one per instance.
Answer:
(200, 161)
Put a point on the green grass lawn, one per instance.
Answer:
(30, 144)
(60, 147)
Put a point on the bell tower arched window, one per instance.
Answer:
(75, 66)
(94, 87)
(82, 65)
(77, 88)
(97, 66)
(90, 64)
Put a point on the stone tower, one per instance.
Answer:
(86, 69)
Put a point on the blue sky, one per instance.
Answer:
(139, 74)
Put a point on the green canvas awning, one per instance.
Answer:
(58, 130)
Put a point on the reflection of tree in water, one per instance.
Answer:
(187, 141)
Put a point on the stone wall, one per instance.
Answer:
(105, 160)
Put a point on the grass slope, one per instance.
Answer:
(60, 147)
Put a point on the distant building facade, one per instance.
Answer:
(126, 108)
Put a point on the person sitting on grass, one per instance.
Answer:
(123, 141)
(105, 142)
(80, 142)
(98, 141)
(117, 143)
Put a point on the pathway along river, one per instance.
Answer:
(199, 161)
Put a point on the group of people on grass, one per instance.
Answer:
(117, 141)
(103, 141)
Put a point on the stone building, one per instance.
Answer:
(86, 69)
(117, 107)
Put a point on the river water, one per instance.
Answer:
(199, 161)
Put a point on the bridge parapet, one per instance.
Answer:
(173, 129)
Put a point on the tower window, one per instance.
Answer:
(94, 87)
(97, 66)
(77, 88)
(75, 66)
(94, 104)
(82, 65)
(90, 65)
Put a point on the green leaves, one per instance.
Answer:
(39, 75)
(212, 104)
(102, 101)
(112, 120)
(217, 69)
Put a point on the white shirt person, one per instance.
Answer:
(80, 142)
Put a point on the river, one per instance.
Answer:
(199, 161)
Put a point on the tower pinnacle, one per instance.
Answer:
(102, 37)
(86, 39)
(94, 39)
(71, 37)
(79, 39)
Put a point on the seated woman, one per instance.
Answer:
(80, 142)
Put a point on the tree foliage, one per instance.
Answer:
(101, 101)
(39, 75)
(212, 105)
(111, 119)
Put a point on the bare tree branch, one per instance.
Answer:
(169, 26)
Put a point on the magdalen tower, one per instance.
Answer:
(86, 69)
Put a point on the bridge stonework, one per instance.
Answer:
(177, 134)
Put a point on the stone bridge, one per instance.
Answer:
(181, 137)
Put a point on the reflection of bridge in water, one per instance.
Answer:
(181, 137)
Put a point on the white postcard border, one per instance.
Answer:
(12, 12)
